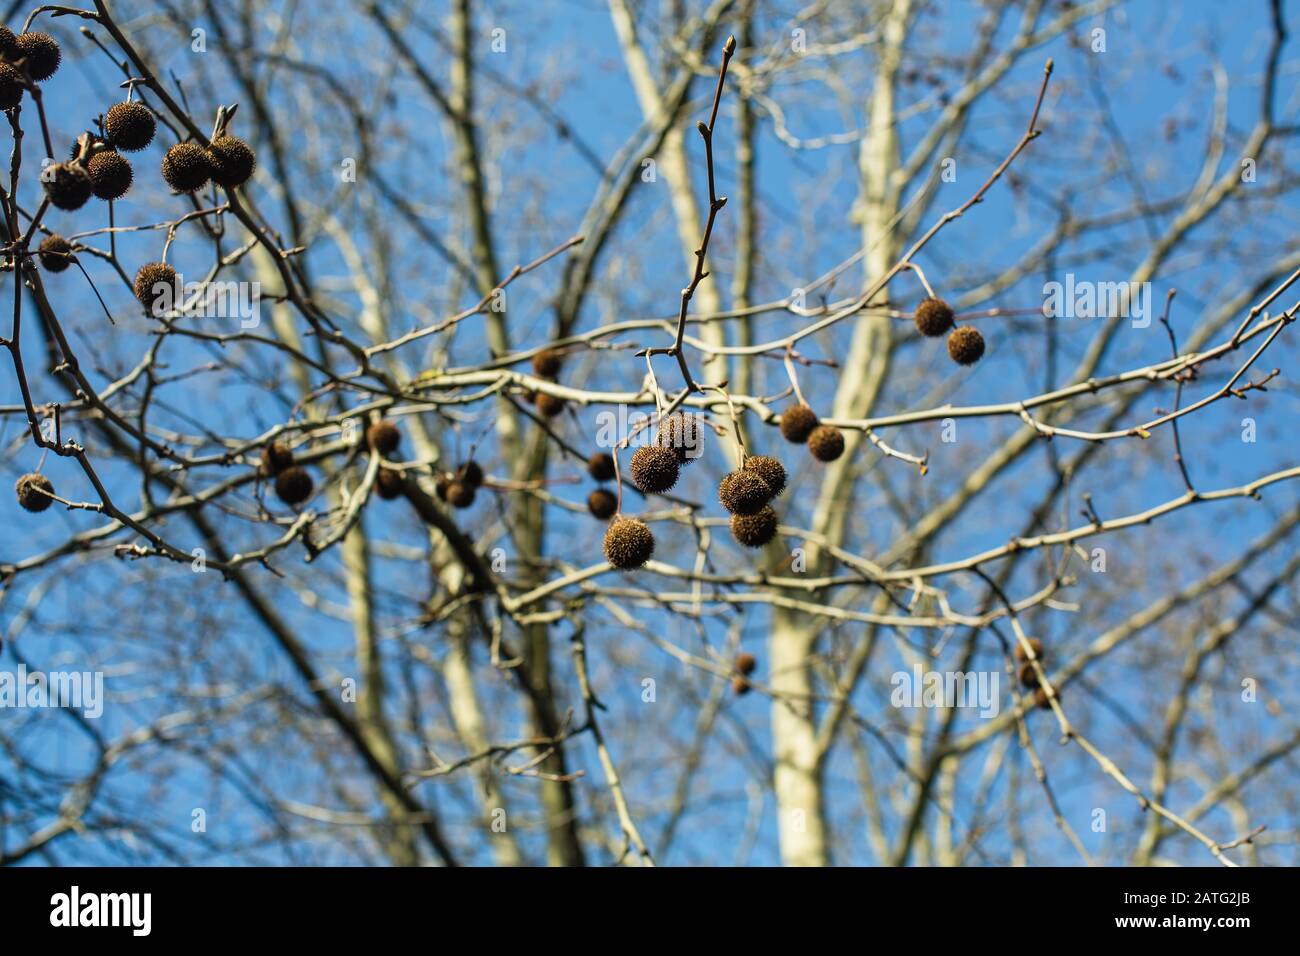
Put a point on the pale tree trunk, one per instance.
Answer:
(399, 842)
(798, 770)
(674, 168)
(564, 848)
(457, 667)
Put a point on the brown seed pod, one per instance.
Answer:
(67, 185)
(186, 167)
(743, 493)
(41, 54)
(293, 486)
(681, 434)
(600, 466)
(459, 494)
(1040, 698)
(276, 457)
(1028, 676)
(130, 126)
(470, 473)
(549, 405)
(441, 486)
(602, 504)
(34, 491)
(746, 663)
(1035, 643)
(769, 469)
(389, 484)
(797, 423)
(628, 543)
(654, 469)
(8, 43)
(11, 86)
(933, 317)
(155, 287)
(826, 443)
(232, 161)
(55, 253)
(739, 686)
(547, 363)
(756, 530)
(965, 345)
(110, 174)
(384, 437)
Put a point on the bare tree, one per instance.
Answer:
(438, 430)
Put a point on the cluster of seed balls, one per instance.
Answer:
(187, 167)
(1028, 676)
(293, 484)
(934, 317)
(602, 503)
(546, 364)
(97, 166)
(745, 492)
(745, 665)
(800, 425)
(459, 488)
(384, 438)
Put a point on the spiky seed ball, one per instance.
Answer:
(1028, 676)
(628, 543)
(186, 167)
(383, 437)
(746, 663)
(8, 43)
(55, 253)
(600, 466)
(155, 284)
(130, 126)
(42, 54)
(276, 457)
(756, 530)
(470, 473)
(441, 486)
(34, 492)
(232, 161)
(110, 174)
(743, 492)
(293, 486)
(11, 86)
(681, 434)
(549, 405)
(739, 686)
(547, 362)
(769, 469)
(1035, 643)
(965, 345)
(797, 423)
(654, 469)
(933, 317)
(460, 495)
(67, 185)
(826, 443)
(389, 483)
(602, 504)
